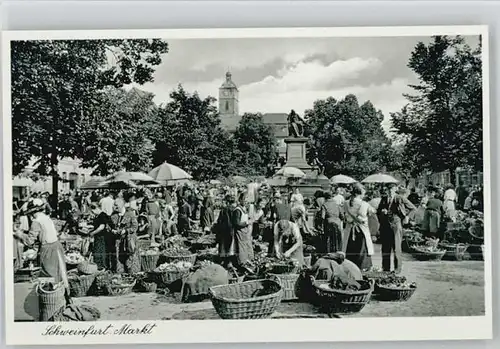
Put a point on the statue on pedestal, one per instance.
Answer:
(295, 125)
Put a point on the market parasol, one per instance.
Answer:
(130, 178)
(342, 179)
(290, 172)
(95, 183)
(168, 174)
(380, 178)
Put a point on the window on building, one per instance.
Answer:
(73, 180)
(227, 105)
(83, 179)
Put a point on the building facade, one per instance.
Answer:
(230, 116)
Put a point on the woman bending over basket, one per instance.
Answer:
(288, 241)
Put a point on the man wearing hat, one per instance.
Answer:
(392, 211)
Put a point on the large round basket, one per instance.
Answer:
(427, 255)
(454, 252)
(255, 299)
(79, 285)
(392, 294)
(149, 262)
(143, 244)
(50, 302)
(289, 284)
(165, 278)
(87, 268)
(191, 258)
(121, 289)
(283, 268)
(333, 301)
(100, 285)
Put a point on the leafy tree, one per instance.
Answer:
(56, 88)
(348, 138)
(190, 136)
(256, 144)
(442, 123)
(119, 137)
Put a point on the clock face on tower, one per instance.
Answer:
(225, 93)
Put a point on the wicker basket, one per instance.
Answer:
(164, 279)
(236, 280)
(247, 300)
(394, 294)
(289, 284)
(143, 244)
(454, 252)
(121, 289)
(146, 286)
(191, 258)
(476, 252)
(334, 301)
(149, 262)
(87, 268)
(428, 256)
(50, 302)
(79, 285)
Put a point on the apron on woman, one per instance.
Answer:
(287, 242)
(243, 244)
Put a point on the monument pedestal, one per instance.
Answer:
(296, 154)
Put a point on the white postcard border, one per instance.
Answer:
(224, 331)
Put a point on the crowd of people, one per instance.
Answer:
(343, 221)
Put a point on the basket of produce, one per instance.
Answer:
(79, 285)
(454, 252)
(167, 273)
(375, 274)
(410, 238)
(255, 299)
(143, 244)
(50, 299)
(28, 274)
(289, 284)
(427, 253)
(274, 265)
(203, 242)
(120, 285)
(73, 258)
(178, 254)
(145, 283)
(149, 258)
(394, 288)
(343, 296)
(101, 282)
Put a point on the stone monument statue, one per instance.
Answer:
(295, 125)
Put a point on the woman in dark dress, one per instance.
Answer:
(103, 244)
(224, 232)
(207, 213)
(242, 234)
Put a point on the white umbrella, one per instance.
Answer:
(167, 174)
(342, 179)
(380, 178)
(290, 172)
(131, 178)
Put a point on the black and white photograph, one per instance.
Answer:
(318, 175)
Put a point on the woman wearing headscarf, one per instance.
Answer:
(288, 241)
(43, 233)
(103, 244)
(357, 242)
(433, 214)
(207, 212)
(151, 209)
(331, 216)
(241, 223)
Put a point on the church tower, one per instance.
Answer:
(228, 103)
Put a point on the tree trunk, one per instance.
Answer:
(55, 179)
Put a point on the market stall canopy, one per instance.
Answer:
(290, 172)
(342, 179)
(130, 178)
(380, 178)
(168, 174)
(95, 183)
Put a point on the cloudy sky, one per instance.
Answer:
(277, 75)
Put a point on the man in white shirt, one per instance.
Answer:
(339, 198)
(107, 204)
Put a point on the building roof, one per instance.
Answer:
(275, 118)
(229, 82)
